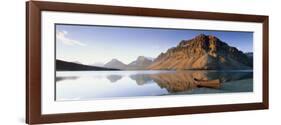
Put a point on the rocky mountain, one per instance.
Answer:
(202, 52)
(250, 55)
(141, 63)
(115, 64)
(72, 66)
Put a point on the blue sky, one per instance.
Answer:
(100, 44)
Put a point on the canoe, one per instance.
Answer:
(208, 83)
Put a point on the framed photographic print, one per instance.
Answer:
(94, 62)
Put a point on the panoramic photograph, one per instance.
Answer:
(107, 62)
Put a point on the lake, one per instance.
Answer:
(91, 85)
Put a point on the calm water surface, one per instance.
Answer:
(90, 85)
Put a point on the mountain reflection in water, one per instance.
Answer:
(98, 84)
(181, 80)
(114, 78)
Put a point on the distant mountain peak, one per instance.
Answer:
(115, 63)
(140, 63)
(114, 60)
(142, 58)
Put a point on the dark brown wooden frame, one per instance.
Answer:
(33, 61)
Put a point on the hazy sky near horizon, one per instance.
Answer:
(99, 44)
